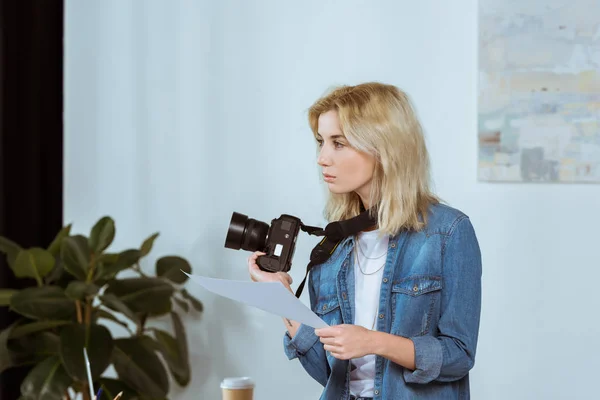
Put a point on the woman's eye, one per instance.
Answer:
(320, 143)
(338, 145)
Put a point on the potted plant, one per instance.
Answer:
(78, 289)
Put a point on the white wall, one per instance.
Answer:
(178, 113)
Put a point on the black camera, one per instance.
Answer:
(277, 241)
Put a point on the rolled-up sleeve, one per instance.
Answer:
(306, 346)
(298, 346)
(450, 354)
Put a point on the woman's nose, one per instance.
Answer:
(324, 160)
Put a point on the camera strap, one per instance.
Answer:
(333, 234)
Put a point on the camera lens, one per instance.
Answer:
(246, 233)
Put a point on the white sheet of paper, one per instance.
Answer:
(272, 297)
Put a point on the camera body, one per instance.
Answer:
(277, 241)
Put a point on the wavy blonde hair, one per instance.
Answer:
(379, 119)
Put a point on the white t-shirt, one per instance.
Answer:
(370, 256)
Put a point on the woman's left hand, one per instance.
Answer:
(346, 341)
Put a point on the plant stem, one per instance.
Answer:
(78, 307)
(88, 312)
(141, 325)
(138, 269)
(86, 392)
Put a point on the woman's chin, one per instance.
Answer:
(336, 189)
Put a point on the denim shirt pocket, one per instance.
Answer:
(328, 308)
(415, 300)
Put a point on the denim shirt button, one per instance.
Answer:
(376, 391)
(344, 295)
(380, 316)
(385, 280)
(324, 306)
(393, 245)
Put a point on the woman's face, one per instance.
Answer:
(345, 169)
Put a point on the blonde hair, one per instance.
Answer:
(379, 119)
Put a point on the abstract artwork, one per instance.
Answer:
(539, 91)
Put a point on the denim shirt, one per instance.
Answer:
(430, 293)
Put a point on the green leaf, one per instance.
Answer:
(54, 247)
(143, 295)
(10, 248)
(58, 276)
(5, 296)
(111, 264)
(148, 244)
(6, 359)
(195, 302)
(102, 235)
(111, 387)
(170, 267)
(75, 253)
(175, 351)
(114, 303)
(78, 290)
(99, 344)
(182, 304)
(27, 350)
(139, 367)
(106, 315)
(108, 258)
(33, 263)
(47, 302)
(47, 381)
(34, 327)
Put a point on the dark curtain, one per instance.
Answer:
(31, 138)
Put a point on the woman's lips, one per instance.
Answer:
(328, 178)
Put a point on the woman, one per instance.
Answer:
(402, 300)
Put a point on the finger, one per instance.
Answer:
(253, 257)
(324, 332)
(340, 356)
(284, 282)
(329, 341)
(256, 274)
(257, 254)
(252, 260)
(253, 268)
(287, 277)
(330, 348)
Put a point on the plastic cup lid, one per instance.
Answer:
(237, 383)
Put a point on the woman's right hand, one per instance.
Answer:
(258, 275)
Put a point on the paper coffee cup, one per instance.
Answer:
(241, 388)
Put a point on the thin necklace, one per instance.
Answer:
(360, 268)
(367, 257)
(363, 252)
(377, 307)
(370, 273)
(374, 319)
